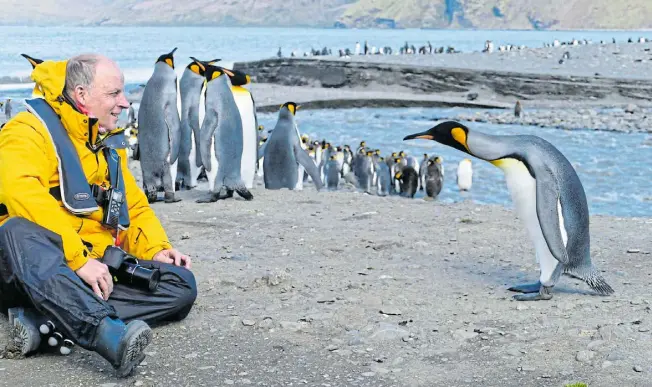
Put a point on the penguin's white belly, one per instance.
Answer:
(300, 172)
(249, 136)
(523, 190)
(212, 174)
(465, 176)
(194, 169)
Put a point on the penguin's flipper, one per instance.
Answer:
(309, 165)
(548, 207)
(174, 132)
(206, 141)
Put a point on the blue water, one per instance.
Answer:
(614, 167)
(136, 48)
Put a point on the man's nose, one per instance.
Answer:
(122, 102)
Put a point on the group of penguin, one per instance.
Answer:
(545, 188)
(206, 123)
(372, 173)
(203, 121)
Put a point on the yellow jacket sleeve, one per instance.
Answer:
(25, 170)
(145, 236)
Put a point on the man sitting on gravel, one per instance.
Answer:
(63, 176)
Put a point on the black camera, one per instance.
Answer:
(127, 270)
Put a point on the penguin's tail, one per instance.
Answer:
(592, 278)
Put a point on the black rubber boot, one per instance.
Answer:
(24, 323)
(122, 345)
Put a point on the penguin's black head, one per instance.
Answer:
(261, 128)
(212, 72)
(167, 58)
(292, 107)
(238, 78)
(33, 61)
(449, 133)
(199, 66)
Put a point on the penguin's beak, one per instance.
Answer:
(33, 61)
(169, 59)
(422, 135)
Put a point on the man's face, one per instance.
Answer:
(106, 99)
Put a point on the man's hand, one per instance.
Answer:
(173, 256)
(97, 275)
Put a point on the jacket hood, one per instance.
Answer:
(50, 79)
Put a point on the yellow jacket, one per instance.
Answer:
(28, 169)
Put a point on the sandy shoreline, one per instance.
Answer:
(341, 288)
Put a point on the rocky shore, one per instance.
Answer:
(630, 119)
(595, 87)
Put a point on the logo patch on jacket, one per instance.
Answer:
(81, 196)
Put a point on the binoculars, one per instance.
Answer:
(126, 269)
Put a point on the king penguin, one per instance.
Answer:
(332, 173)
(548, 196)
(222, 130)
(191, 86)
(464, 175)
(434, 180)
(247, 108)
(159, 129)
(284, 154)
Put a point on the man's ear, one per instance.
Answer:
(80, 94)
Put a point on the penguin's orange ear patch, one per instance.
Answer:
(169, 62)
(460, 136)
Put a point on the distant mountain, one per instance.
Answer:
(481, 14)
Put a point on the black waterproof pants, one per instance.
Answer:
(33, 272)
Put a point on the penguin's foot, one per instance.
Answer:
(152, 197)
(526, 288)
(543, 294)
(244, 193)
(213, 197)
(170, 198)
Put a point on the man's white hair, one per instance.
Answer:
(80, 71)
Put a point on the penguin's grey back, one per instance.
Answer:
(434, 180)
(362, 171)
(384, 179)
(280, 165)
(332, 173)
(160, 91)
(228, 135)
